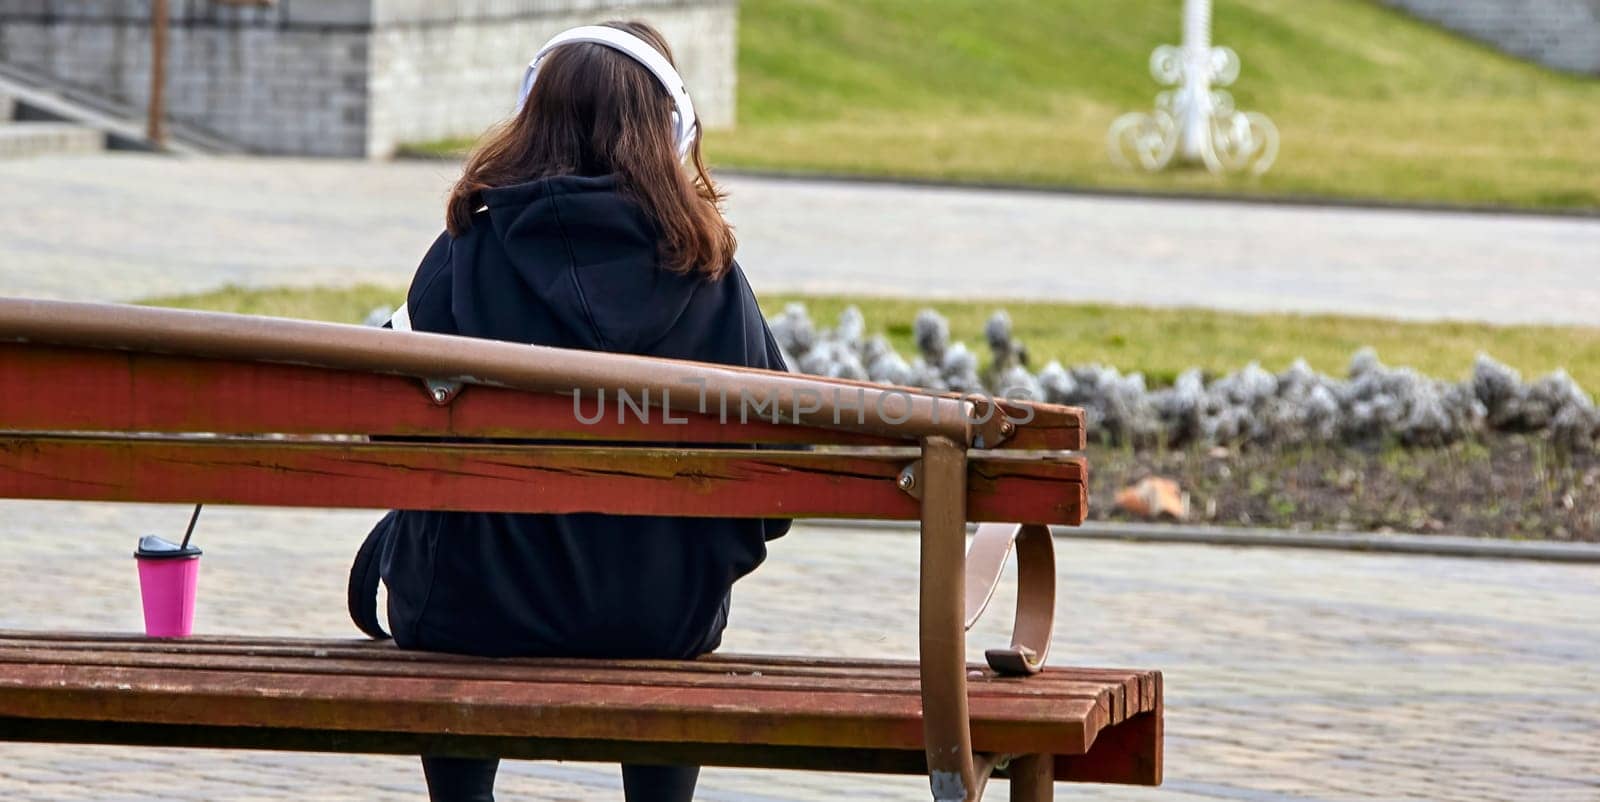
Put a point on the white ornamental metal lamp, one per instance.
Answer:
(1195, 122)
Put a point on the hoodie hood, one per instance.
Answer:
(589, 254)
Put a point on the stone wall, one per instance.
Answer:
(1563, 34)
(343, 77)
(434, 78)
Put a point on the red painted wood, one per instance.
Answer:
(750, 677)
(84, 389)
(856, 483)
(816, 717)
(268, 685)
(1006, 487)
(24, 646)
(1128, 753)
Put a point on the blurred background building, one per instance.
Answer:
(333, 77)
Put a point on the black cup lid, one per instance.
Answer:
(155, 548)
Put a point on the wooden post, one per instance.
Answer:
(1032, 778)
(946, 728)
(158, 72)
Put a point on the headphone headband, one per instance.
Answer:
(685, 124)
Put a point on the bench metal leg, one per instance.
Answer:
(945, 724)
(1032, 778)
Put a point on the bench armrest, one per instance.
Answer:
(1036, 591)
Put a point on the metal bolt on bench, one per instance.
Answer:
(864, 451)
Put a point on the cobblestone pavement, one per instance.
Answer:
(1291, 675)
(122, 227)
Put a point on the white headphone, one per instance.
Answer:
(685, 125)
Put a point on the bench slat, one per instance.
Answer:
(814, 717)
(845, 482)
(379, 689)
(89, 389)
(123, 646)
(363, 647)
(138, 392)
(360, 349)
(730, 676)
(245, 338)
(385, 659)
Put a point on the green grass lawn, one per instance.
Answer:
(1159, 342)
(1371, 103)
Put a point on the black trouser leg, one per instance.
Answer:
(460, 779)
(659, 783)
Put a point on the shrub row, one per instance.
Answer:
(1372, 403)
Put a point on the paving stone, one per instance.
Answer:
(124, 226)
(1291, 675)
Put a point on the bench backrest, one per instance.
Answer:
(121, 403)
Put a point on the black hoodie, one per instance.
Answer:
(571, 262)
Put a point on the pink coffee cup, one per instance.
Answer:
(168, 575)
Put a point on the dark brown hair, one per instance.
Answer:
(595, 111)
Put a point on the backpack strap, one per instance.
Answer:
(362, 595)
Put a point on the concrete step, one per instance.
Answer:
(39, 98)
(23, 139)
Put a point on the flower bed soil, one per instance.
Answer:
(1514, 486)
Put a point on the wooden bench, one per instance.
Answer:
(113, 403)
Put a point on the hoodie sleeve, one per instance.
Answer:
(429, 299)
(775, 360)
(763, 352)
(428, 307)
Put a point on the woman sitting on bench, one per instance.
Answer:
(588, 221)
